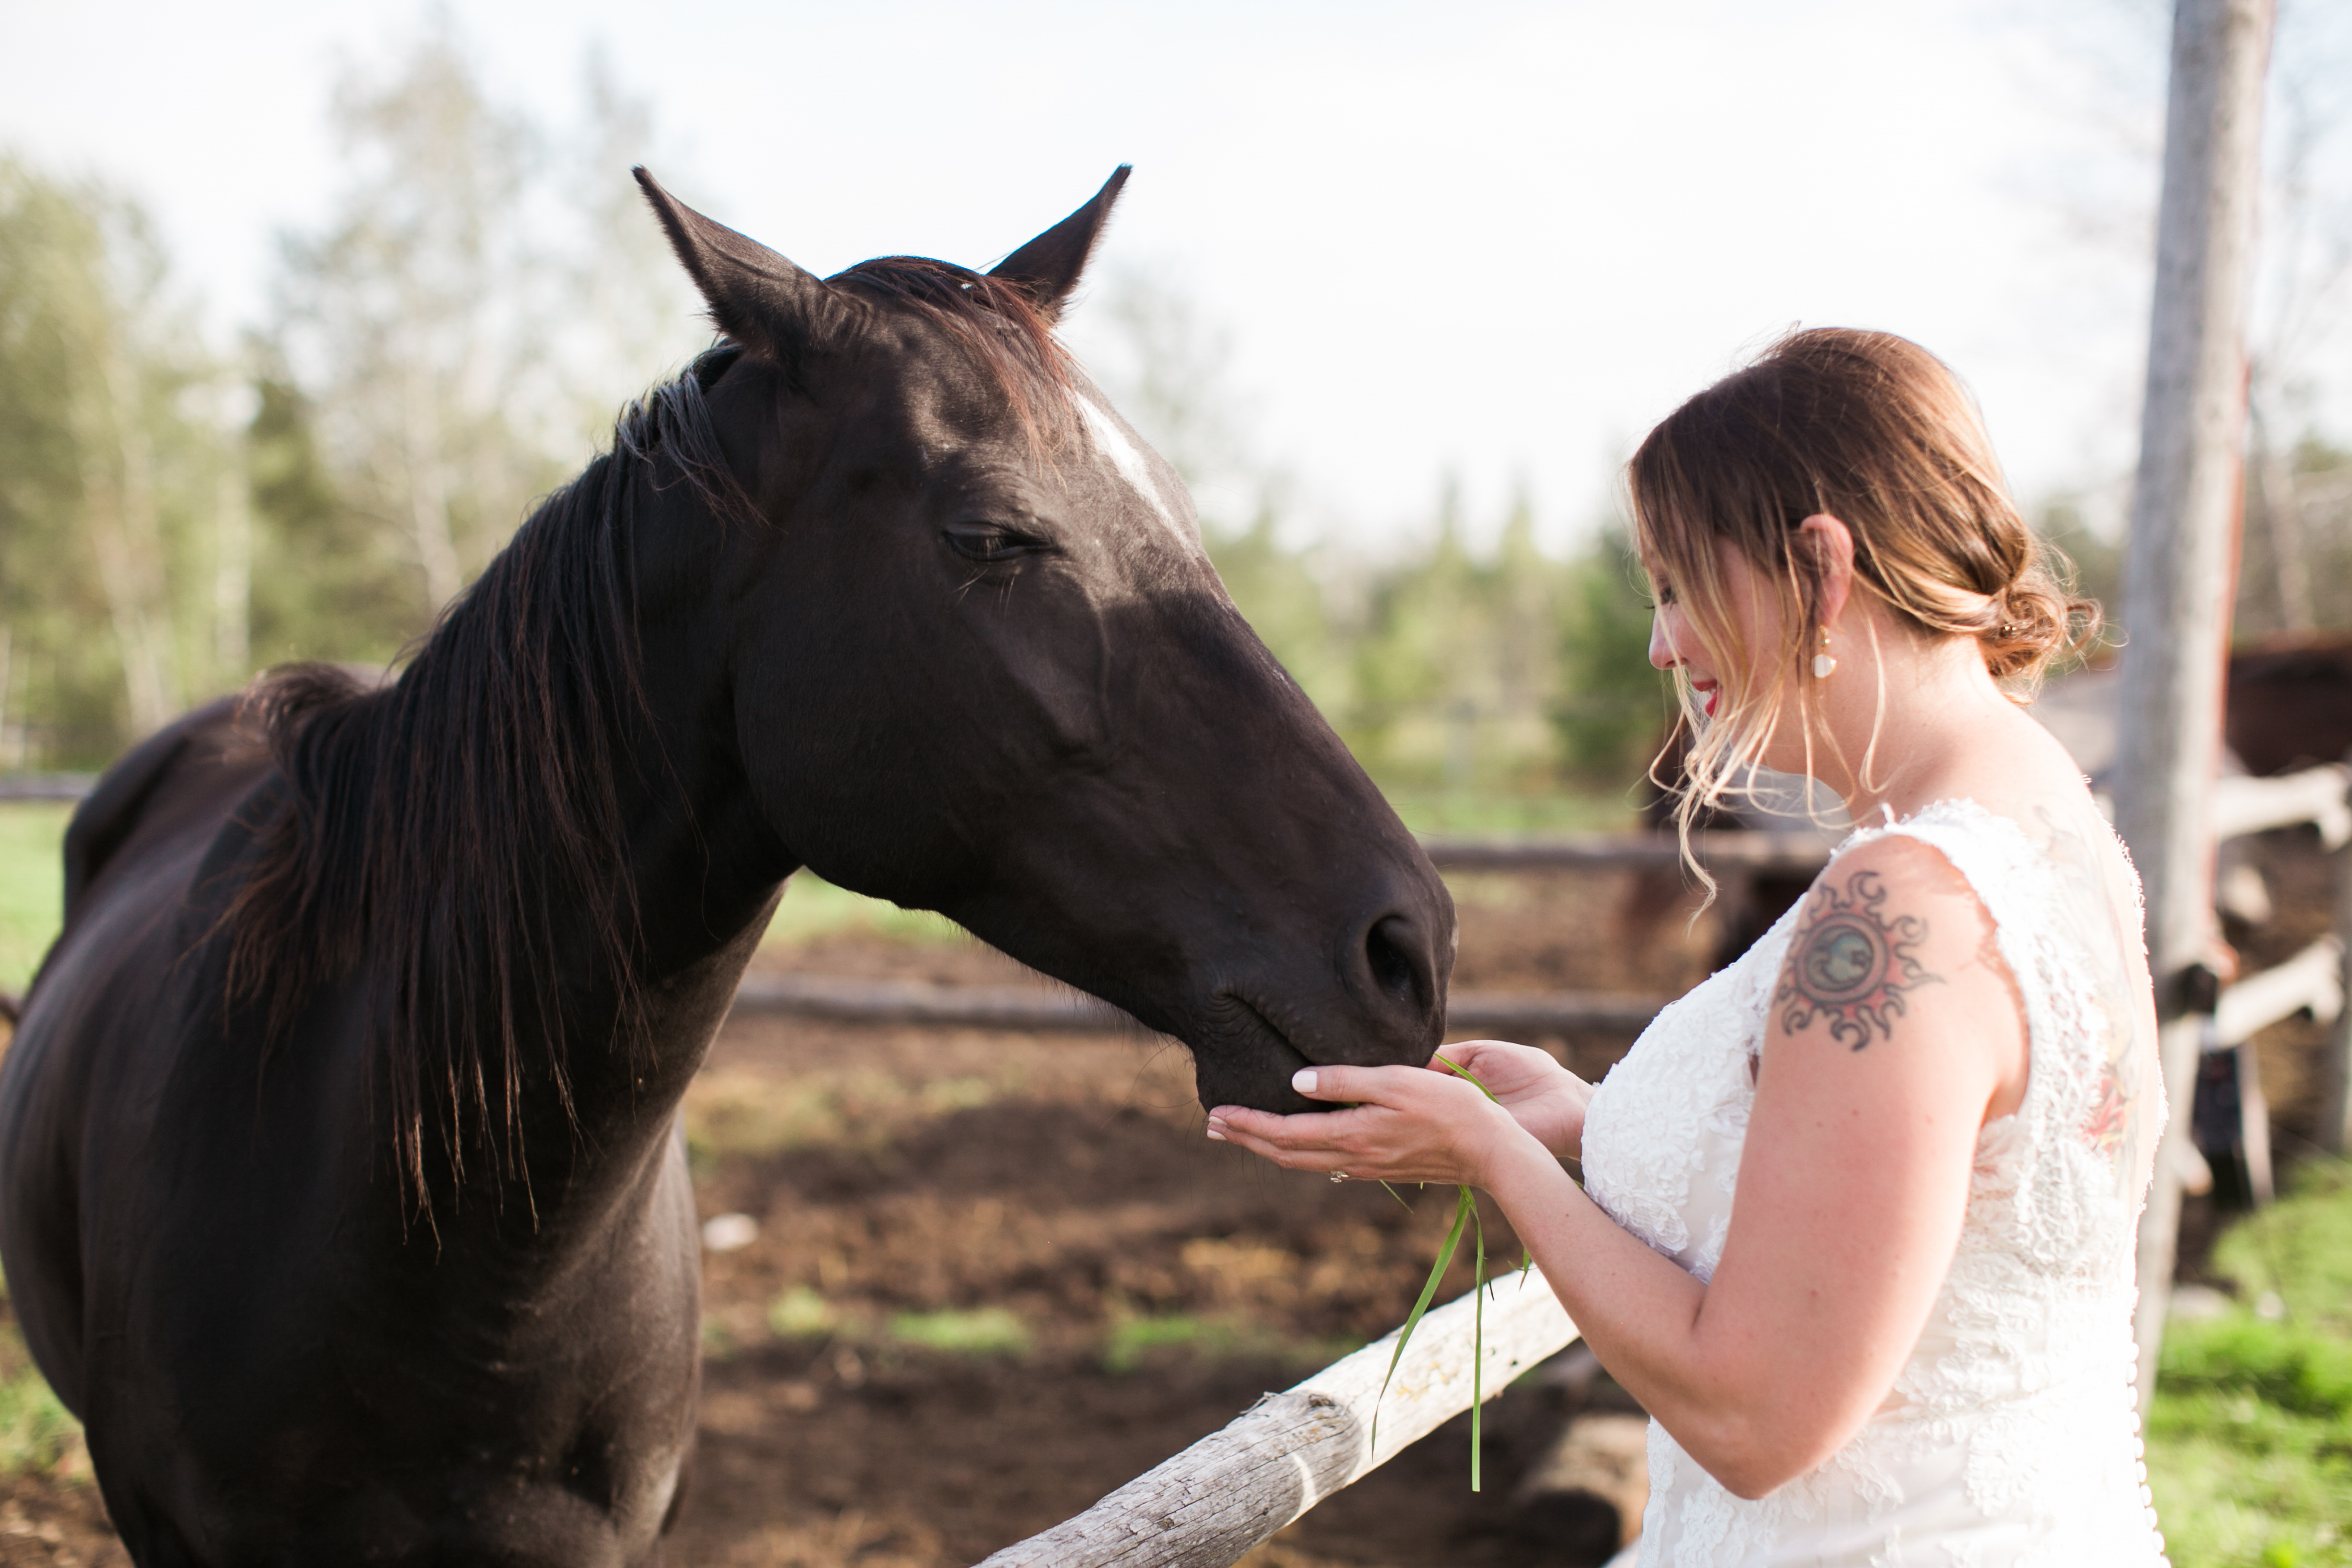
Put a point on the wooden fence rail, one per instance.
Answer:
(1231, 1490)
(2312, 981)
(46, 786)
(1743, 851)
(1038, 1009)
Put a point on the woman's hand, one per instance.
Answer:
(1542, 1096)
(1399, 1124)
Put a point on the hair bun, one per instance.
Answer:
(2036, 620)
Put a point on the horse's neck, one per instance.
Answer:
(695, 866)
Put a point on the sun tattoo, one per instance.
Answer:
(1851, 964)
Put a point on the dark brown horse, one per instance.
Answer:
(343, 1199)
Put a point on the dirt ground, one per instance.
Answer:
(992, 1277)
(1160, 1282)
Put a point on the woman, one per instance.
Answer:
(1858, 1215)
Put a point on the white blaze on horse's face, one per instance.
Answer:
(1133, 466)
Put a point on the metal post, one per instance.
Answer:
(2178, 568)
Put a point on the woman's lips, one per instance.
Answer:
(1711, 691)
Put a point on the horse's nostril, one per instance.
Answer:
(1385, 951)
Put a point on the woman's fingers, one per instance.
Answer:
(1308, 1130)
(1352, 1086)
(1398, 1122)
(1304, 1142)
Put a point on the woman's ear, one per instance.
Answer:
(1829, 544)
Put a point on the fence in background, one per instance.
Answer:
(46, 786)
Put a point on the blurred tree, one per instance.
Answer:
(1277, 591)
(417, 320)
(1442, 666)
(2303, 307)
(628, 314)
(335, 583)
(1613, 708)
(455, 340)
(1417, 660)
(1168, 371)
(2094, 555)
(111, 483)
(2296, 573)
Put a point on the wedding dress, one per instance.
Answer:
(2010, 1437)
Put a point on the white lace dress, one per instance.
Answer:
(2010, 1437)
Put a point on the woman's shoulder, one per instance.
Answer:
(1897, 904)
(1947, 848)
(2005, 850)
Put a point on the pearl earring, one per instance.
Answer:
(1822, 663)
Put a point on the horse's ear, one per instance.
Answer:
(1047, 267)
(756, 297)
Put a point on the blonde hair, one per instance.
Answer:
(1875, 431)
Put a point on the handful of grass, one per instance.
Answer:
(1465, 1221)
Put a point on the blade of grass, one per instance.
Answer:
(1526, 1258)
(1458, 1070)
(1466, 1217)
(1464, 1209)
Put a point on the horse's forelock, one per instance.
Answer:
(994, 318)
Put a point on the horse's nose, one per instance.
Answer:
(1396, 965)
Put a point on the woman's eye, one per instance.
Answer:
(989, 543)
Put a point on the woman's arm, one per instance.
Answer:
(1896, 1032)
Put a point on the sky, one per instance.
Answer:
(1489, 242)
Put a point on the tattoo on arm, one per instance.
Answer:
(1851, 963)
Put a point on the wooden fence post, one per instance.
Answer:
(2180, 561)
(2334, 1132)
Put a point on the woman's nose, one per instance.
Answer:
(1662, 645)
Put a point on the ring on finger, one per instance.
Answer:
(1339, 1176)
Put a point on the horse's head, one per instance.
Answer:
(985, 668)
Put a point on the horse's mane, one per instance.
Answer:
(430, 830)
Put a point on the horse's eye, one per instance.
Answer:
(990, 542)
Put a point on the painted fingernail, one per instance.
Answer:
(1217, 1136)
(1303, 1080)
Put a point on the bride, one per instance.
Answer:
(1858, 1211)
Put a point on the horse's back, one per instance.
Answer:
(184, 775)
(97, 1007)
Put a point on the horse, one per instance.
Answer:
(342, 1191)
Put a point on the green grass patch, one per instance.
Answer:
(32, 886)
(37, 1433)
(813, 908)
(1490, 814)
(1134, 1341)
(2300, 1247)
(989, 1331)
(2250, 1442)
(736, 1114)
(799, 1314)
